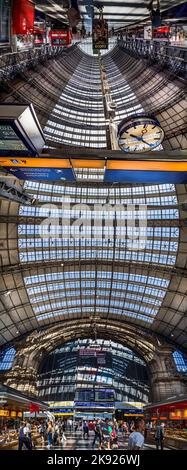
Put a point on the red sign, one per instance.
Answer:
(34, 408)
(60, 37)
(23, 17)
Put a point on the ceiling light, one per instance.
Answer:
(172, 335)
(7, 293)
(62, 264)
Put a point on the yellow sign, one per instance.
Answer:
(56, 404)
(4, 413)
(35, 162)
(13, 414)
(63, 414)
(146, 165)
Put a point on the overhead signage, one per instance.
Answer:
(133, 176)
(129, 405)
(9, 139)
(63, 410)
(45, 174)
(99, 34)
(57, 404)
(35, 162)
(91, 352)
(93, 405)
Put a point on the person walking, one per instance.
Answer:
(85, 430)
(136, 438)
(49, 434)
(159, 436)
(155, 14)
(97, 436)
(63, 439)
(23, 438)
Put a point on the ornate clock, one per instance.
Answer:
(139, 133)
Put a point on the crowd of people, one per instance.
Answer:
(102, 433)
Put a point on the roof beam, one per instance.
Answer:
(56, 264)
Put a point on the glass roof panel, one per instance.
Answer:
(99, 289)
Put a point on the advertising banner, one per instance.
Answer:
(23, 17)
(148, 32)
(45, 174)
(99, 34)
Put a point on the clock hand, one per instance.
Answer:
(136, 137)
(140, 139)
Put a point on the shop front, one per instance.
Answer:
(172, 415)
(13, 406)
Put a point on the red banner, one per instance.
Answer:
(23, 17)
(34, 408)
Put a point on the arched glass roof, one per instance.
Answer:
(117, 12)
(100, 285)
(81, 368)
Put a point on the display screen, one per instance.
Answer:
(107, 395)
(9, 139)
(104, 395)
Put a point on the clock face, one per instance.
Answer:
(139, 134)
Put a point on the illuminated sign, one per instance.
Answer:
(138, 406)
(56, 404)
(4, 413)
(93, 405)
(9, 139)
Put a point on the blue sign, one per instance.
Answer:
(94, 405)
(133, 176)
(42, 174)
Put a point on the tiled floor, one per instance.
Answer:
(75, 441)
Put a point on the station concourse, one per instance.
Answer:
(93, 224)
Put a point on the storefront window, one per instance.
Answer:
(4, 20)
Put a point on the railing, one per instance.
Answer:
(158, 52)
(14, 62)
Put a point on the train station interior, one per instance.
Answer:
(93, 224)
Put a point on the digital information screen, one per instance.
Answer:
(9, 139)
(107, 395)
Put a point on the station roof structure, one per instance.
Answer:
(112, 284)
(117, 12)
